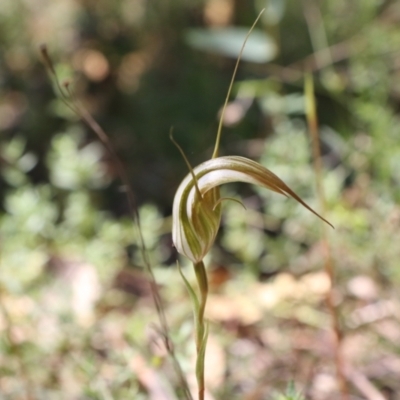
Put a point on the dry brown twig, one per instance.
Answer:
(329, 267)
(70, 100)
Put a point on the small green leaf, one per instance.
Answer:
(189, 288)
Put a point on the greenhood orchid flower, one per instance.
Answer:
(197, 203)
(196, 217)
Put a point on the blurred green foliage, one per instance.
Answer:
(73, 296)
(290, 394)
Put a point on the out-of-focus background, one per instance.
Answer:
(77, 319)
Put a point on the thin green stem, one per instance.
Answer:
(202, 281)
(329, 265)
(201, 328)
(221, 119)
